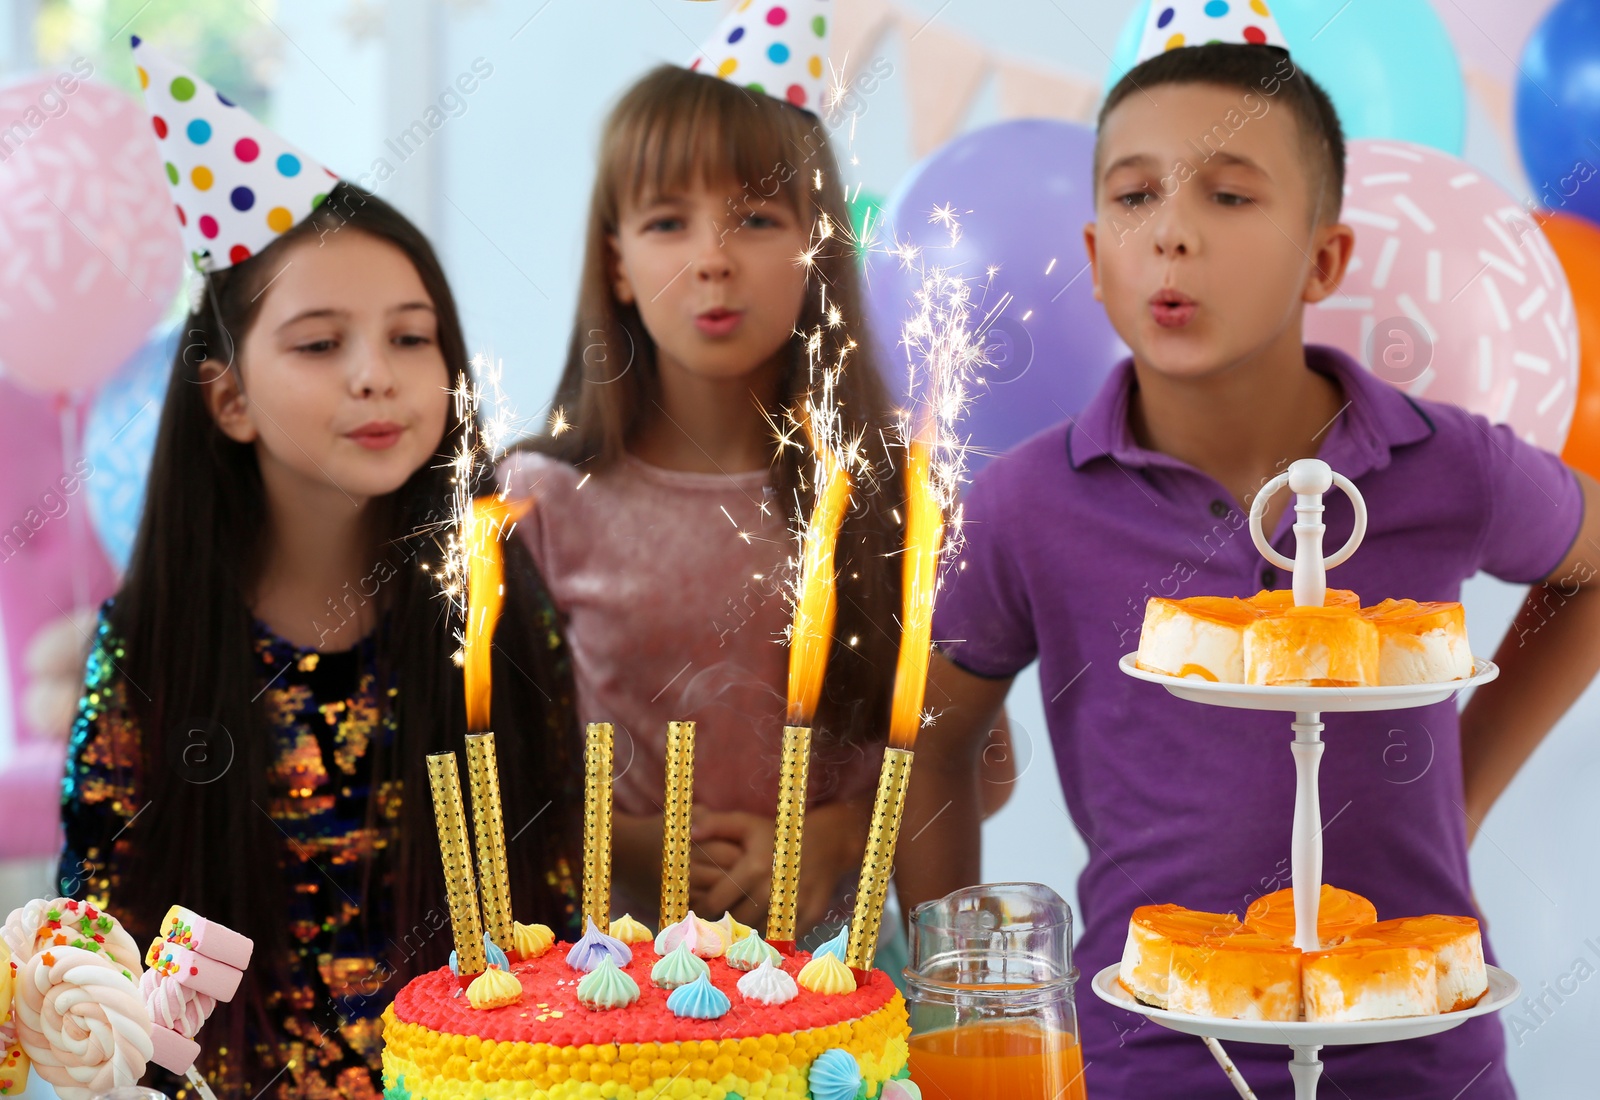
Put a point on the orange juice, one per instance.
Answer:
(1017, 1060)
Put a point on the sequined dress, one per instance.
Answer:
(327, 710)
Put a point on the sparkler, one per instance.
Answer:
(944, 351)
(473, 580)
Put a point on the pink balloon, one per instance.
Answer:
(50, 565)
(1453, 294)
(90, 255)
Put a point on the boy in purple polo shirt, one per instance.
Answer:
(1205, 261)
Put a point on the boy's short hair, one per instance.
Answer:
(1271, 74)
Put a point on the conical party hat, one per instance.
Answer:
(236, 184)
(1175, 23)
(779, 47)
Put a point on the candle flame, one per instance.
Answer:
(817, 603)
(487, 522)
(919, 580)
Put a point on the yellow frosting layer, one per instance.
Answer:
(438, 1066)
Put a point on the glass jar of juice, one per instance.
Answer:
(990, 994)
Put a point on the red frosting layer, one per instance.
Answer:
(436, 1001)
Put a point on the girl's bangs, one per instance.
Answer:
(692, 130)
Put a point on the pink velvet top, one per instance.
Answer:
(673, 586)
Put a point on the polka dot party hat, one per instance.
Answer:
(1175, 23)
(779, 47)
(235, 183)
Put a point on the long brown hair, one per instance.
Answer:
(184, 618)
(671, 130)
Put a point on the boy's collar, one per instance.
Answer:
(1376, 419)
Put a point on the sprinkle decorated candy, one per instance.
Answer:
(7, 977)
(66, 922)
(14, 1064)
(186, 928)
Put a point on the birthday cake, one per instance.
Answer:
(705, 1009)
(1267, 640)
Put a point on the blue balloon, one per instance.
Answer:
(1558, 109)
(120, 439)
(1389, 68)
(1023, 191)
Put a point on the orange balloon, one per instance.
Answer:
(1577, 242)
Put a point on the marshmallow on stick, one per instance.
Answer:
(218, 942)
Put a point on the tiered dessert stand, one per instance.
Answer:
(1309, 479)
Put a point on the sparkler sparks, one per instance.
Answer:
(476, 526)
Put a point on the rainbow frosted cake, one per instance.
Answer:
(702, 1011)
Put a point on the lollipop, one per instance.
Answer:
(81, 1021)
(66, 922)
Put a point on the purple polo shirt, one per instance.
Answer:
(1066, 537)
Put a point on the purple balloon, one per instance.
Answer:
(1023, 191)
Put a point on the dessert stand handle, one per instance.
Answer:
(1309, 479)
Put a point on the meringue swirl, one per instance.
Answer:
(767, 985)
(630, 931)
(494, 988)
(751, 952)
(596, 945)
(825, 974)
(606, 987)
(678, 967)
(699, 1000)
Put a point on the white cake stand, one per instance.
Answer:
(1309, 479)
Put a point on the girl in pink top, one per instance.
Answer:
(665, 506)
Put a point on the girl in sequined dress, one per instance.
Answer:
(277, 664)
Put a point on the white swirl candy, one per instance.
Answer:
(56, 922)
(174, 1006)
(768, 985)
(81, 1022)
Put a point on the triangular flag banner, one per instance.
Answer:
(1175, 23)
(944, 71)
(1030, 92)
(779, 48)
(857, 30)
(235, 183)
